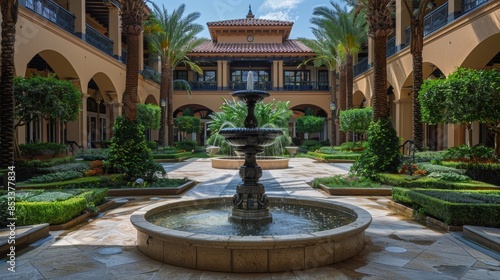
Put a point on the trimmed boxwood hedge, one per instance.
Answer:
(172, 156)
(340, 155)
(58, 211)
(85, 182)
(454, 207)
(406, 181)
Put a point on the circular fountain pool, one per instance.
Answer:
(315, 242)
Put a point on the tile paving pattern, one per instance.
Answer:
(397, 248)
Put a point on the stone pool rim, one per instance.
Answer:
(229, 253)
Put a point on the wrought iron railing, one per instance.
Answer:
(436, 19)
(361, 67)
(407, 36)
(238, 85)
(468, 5)
(203, 85)
(306, 86)
(53, 12)
(391, 47)
(98, 40)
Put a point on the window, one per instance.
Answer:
(207, 76)
(260, 77)
(297, 80)
(323, 79)
(180, 75)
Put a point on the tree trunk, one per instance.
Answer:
(170, 101)
(132, 75)
(342, 99)
(469, 134)
(380, 109)
(9, 19)
(497, 145)
(349, 85)
(417, 35)
(333, 98)
(163, 96)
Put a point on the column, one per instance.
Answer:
(280, 75)
(114, 30)
(454, 8)
(77, 7)
(83, 122)
(226, 75)
(220, 74)
(275, 75)
(402, 21)
(370, 52)
(404, 118)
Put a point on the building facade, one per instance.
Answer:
(82, 41)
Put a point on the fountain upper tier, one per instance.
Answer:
(239, 137)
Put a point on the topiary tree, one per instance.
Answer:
(187, 124)
(310, 124)
(356, 120)
(129, 153)
(382, 153)
(148, 115)
(465, 96)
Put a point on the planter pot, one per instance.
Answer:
(292, 150)
(212, 150)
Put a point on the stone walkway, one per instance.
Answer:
(397, 248)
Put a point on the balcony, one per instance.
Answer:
(390, 47)
(469, 5)
(98, 40)
(202, 85)
(306, 86)
(436, 19)
(237, 85)
(51, 11)
(361, 67)
(151, 74)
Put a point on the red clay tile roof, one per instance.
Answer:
(250, 22)
(289, 46)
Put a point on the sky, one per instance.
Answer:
(298, 11)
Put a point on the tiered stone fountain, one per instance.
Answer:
(251, 240)
(250, 203)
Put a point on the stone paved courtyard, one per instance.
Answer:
(397, 248)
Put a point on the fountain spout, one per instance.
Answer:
(250, 80)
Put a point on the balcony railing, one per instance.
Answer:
(468, 5)
(306, 86)
(124, 55)
(203, 85)
(391, 47)
(234, 85)
(53, 12)
(436, 19)
(151, 74)
(96, 39)
(407, 36)
(361, 67)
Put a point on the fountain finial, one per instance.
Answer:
(250, 80)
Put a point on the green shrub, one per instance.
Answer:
(382, 152)
(449, 176)
(431, 168)
(129, 154)
(457, 208)
(46, 163)
(172, 156)
(429, 182)
(310, 145)
(152, 145)
(353, 146)
(335, 156)
(466, 153)
(32, 150)
(54, 212)
(94, 154)
(55, 177)
(186, 145)
(340, 181)
(76, 166)
(84, 182)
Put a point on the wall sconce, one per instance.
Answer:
(333, 106)
(163, 103)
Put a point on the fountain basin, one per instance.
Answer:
(242, 254)
(241, 137)
(266, 163)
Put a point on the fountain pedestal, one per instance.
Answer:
(250, 203)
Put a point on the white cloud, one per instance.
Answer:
(279, 10)
(278, 5)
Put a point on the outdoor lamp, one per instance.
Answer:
(333, 106)
(163, 103)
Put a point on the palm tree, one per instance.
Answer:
(380, 25)
(10, 9)
(326, 54)
(133, 15)
(417, 9)
(350, 31)
(171, 37)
